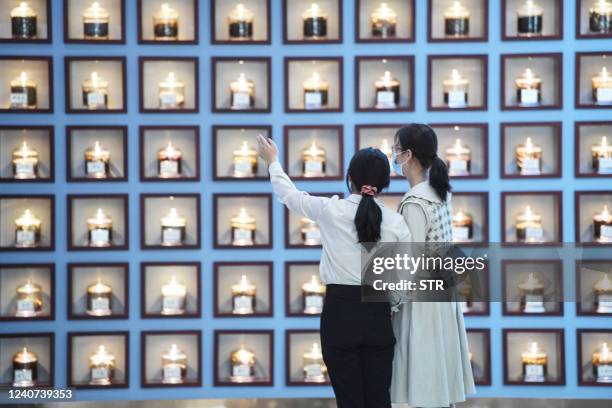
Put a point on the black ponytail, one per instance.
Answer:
(368, 173)
(423, 142)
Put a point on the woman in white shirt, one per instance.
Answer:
(431, 367)
(356, 337)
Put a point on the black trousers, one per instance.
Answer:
(357, 340)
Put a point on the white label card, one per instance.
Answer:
(168, 100)
(313, 302)
(172, 372)
(169, 167)
(242, 100)
(604, 371)
(461, 233)
(529, 96)
(606, 232)
(243, 304)
(100, 304)
(99, 373)
(605, 165)
(95, 99)
(241, 234)
(26, 168)
(95, 167)
(604, 95)
(171, 236)
(313, 167)
(100, 236)
(25, 237)
(456, 99)
(241, 370)
(534, 370)
(530, 167)
(534, 233)
(22, 375)
(25, 305)
(385, 100)
(313, 100)
(19, 99)
(458, 167)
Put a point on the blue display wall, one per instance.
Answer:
(563, 108)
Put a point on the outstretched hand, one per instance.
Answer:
(267, 149)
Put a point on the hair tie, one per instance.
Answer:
(368, 190)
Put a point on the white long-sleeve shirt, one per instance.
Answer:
(341, 257)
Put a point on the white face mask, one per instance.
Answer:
(397, 167)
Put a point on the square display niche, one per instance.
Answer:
(27, 223)
(593, 70)
(304, 359)
(532, 287)
(86, 21)
(27, 84)
(27, 292)
(376, 23)
(312, 21)
(235, 157)
(531, 218)
(168, 22)
(95, 85)
(464, 20)
(314, 152)
(530, 150)
(594, 363)
(39, 347)
(380, 137)
(532, 20)
(531, 81)
(591, 20)
(169, 85)
(98, 222)
(534, 357)
(96, 153)
(98, 359)
(470, 218)
(473, 290)
(384, 83)
(593, 217)
(304, 291)
(27, 154)
(170, 289)
(170, 221)
(25, 24)
(479, 341)
(169, 153)
(244, 358)
(593, 149)
(242, 221)
(171, 358)
(301, 231)
(464, 148)
(243, 289)
(98, 290)
(457, 82)
(241, 85)
(240, 22)
(313, 84)
(593, 297)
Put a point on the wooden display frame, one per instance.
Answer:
(51, 199)
(288, 244)
(486, 333)
(579, 360)
(47, 40)
(288, 381)
(213, 28)
(267, 61)
(285, 23)
(485, 27)
(51, 140)
(216, 159)
(49, 84)
(52, 275)
(577, 136)
(70, 40)
(141, 84)
(339, 129)
(196, 29)
(288, 278)
(577, 195)
(51, 338)
(557, 36)
(579, 309)
(410, 39)
(339, 61)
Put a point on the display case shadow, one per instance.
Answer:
(259, 372)
(221, 10)
(43, 11)
(42, 345)
(97, 165)
(404, 29)
(178, 297)
(21, 306)
(530, 19)
(366, 135)
(302, 232)
(33, 220)
(541, 222)
(82, 376)
(247, 232)
(303, 296)
(187, 342)
(96, 302)
(476, 139)
(169, 96)
(330, 10)
(32, 89)
(475, 206)
(592, 151)
(542, 158)
(454, 28)
(585, 22)
(296, 343)
(230, 71)
(175, 220)
(592, 277)
(75, 28)
(551, 369)
(372, 70)
(169, 153)
(226, 143)
(95, 233)
(326, 157)
(590, 68)
(518, 295)
(462, 93)
(18, 165)
(321, 97)
(237, 300)
(593, 217)
(170, 30)
(480, 358)
(590, 349)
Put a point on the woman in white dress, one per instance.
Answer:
(431, 366)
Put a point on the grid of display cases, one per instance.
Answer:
(129, 176)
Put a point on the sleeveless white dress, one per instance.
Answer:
(431, 366)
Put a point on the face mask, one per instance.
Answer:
(397, 167)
